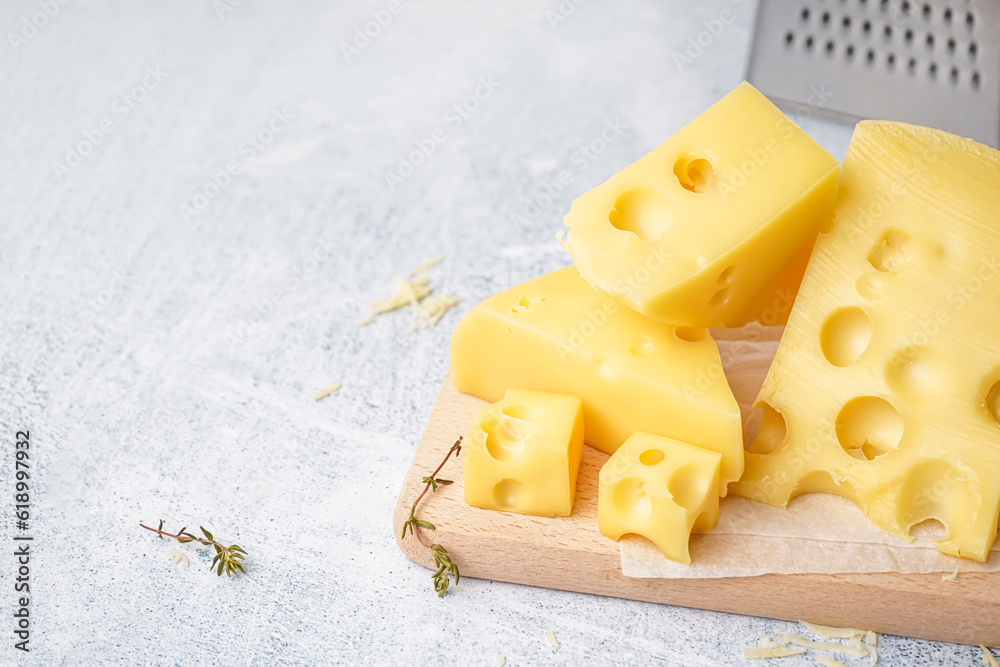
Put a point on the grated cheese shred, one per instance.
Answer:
(323, 393)
(828, 662)
(832, 647)
(765, 653)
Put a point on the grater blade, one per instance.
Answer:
(932, 62)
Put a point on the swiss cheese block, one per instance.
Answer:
(661, 489)
(713, 227)
(886, 384)
(522, 454)
(556, 333)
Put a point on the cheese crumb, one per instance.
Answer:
(828, 662)
(764, 653)
(988, 658)
(501, 659)
(323, 393)
(432, 310)
(847, 649)
(178, 558)
(871, 638)
(950, 577)
(831, 632)
(417, 288)
(767, 642)
(424, 265)
(414, 293)
(551, 636)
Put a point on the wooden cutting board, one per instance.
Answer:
(569, 553)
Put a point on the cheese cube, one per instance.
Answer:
(712, 228)
(661, 489)
(556, 333)
(886, 384)
(522, 454)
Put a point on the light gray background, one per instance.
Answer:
(164, 363)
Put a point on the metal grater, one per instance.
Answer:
(933, 62)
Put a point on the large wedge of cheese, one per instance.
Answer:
(886, 384)
(557, 334)
(713, 227)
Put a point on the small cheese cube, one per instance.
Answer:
(886, 385)
(522, 454)
(712, 228)
(557, 333)
(661, 489)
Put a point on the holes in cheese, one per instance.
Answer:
(740, 185)
(643, 212)
(868, 427)
(661, 489)
(522, 454)
(845, 336)
(887, 373)
(632, 374)
(920, 374)
(696, 172)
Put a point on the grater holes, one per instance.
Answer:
(825, 18)
(948, 15)
(911, 66)
(925, 11)
(932, 71)
(829, 47)
(970, 21)
(846, 23)
(870, 57)
(951, 46)
(890, 61)
(789, 39)
(805, 14)
(849, 52)
(866, 27)
(809, 43)
(887, 32)
(973, 50)
(974, 80)
(929, 42)
(883, 5)
(953, 76)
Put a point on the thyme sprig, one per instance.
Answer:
(442, 559)
(226, 558)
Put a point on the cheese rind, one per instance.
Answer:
(714, 227)
(556, 333)
(522, 454)
(661, 489)
(881, 387)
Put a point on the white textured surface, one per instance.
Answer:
(165, 366)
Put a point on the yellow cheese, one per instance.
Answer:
(713, 227)
(522, 454)
(556, 333)
(886, 381)
(661, 489)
